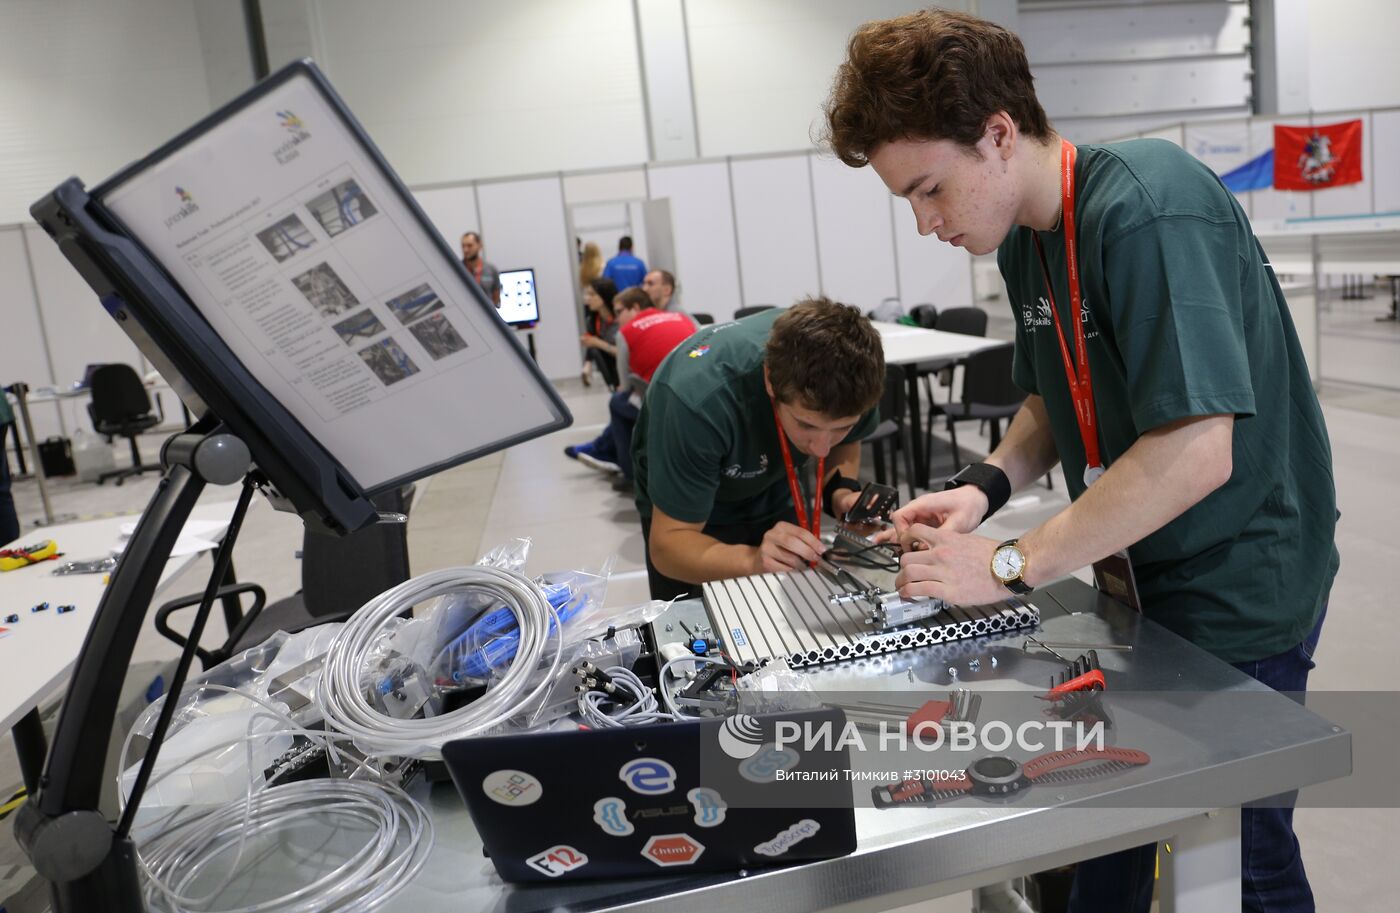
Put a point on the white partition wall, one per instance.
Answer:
(1385, 140)
(707, 262)
(481, 89)
(855, 233)
(777, 236)
(523, 222)
(452, 210)
(23, 353)
(930, 272)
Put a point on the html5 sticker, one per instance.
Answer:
(557, 861)
(673, 849)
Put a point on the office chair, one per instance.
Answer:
(893, 428)
(749, 311)
(988, 393)
(339, 574)
(120, 407)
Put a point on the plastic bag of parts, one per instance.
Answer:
(775, 688)
(466, 641)
(220, 740)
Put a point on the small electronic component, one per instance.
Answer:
(41, 607)
(65, 609)
(12, 619)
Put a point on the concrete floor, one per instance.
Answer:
(575, 520)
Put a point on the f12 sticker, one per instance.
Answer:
(648, 776)
(709, 807)
(611, 814)
(514, 788)
(557, 861)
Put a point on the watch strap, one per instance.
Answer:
(993, 482)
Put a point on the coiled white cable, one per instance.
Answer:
(663, 683)
(340, 696)
(176, 858)
(602, 711)
(176, 850)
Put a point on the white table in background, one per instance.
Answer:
(39, 651)
(910, 347)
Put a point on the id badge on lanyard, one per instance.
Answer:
(1076, 363)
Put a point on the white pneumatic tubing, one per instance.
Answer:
(341, 697)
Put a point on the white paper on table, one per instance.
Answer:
(185, 545)
(196, 528)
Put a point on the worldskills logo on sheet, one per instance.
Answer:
(188, 207)
(299, 134)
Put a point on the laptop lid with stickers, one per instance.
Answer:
(710, 795)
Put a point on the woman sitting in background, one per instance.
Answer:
(600, 337)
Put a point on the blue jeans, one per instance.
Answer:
(624, 419)
(1271, 872)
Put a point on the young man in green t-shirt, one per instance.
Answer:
(1162, 372)
(715, 476)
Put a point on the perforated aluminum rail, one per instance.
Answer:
(789, 615)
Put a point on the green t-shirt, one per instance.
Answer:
(705, 449)
(1184, 317)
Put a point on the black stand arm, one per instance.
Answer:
(91, 865)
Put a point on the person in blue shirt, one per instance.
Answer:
(626, 269)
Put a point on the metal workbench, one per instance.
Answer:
(1200, 748)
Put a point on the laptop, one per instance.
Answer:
(707, 795)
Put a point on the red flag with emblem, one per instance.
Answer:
(1311, 158)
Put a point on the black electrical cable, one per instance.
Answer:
(859, 558)
(222, 558)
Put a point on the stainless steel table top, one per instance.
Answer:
(1186, 713)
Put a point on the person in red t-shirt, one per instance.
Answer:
(646, 336)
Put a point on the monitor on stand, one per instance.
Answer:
(279, 275)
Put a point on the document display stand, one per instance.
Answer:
(282, 279)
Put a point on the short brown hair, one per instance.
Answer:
(930, 75)
(826, 356)
(631, 297)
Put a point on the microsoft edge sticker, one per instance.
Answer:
(648, 776)
(557, 860)
(709, 807)
(611, 814)
(514, 788)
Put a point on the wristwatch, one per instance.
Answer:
(1008, 564)
(993, 482)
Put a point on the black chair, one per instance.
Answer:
(120, 407)
(893, 428)
(749, 311)
(925, 315)
(702, 319)
(339, 574)
(968, 321)
(988, 394)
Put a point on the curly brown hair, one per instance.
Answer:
(934, 74)
(826, 356)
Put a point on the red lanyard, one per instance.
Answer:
(797, 498)
(1081, 389)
